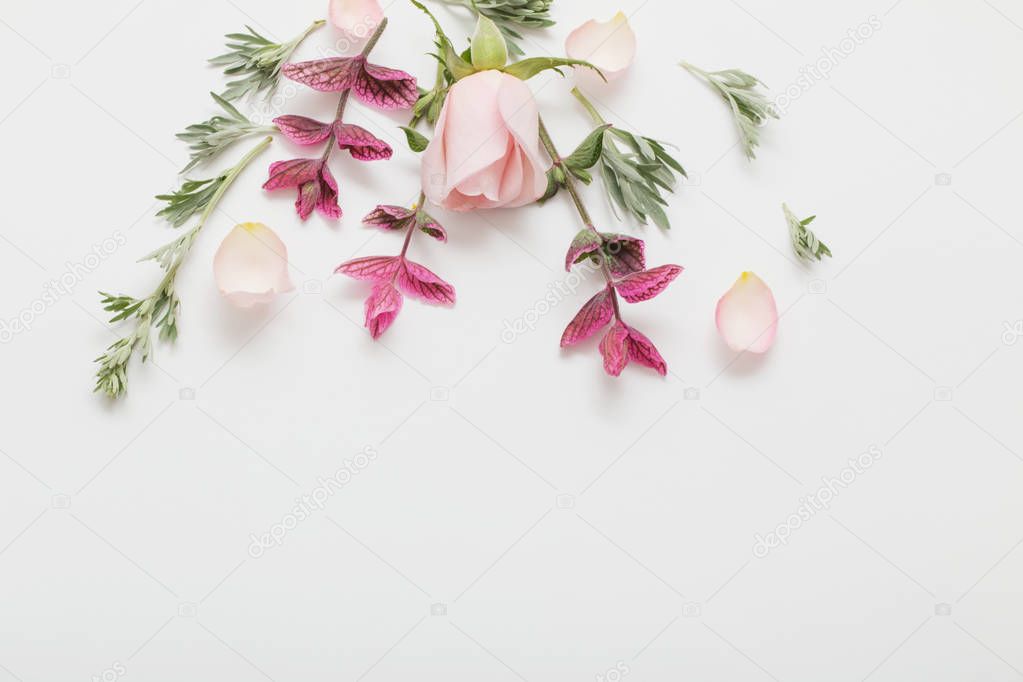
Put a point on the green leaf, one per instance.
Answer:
(528, 68)
(587, 154)
(417, 142)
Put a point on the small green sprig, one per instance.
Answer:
(805, 242)
(511, 15)
(160, 309)
(636, 170)
(750, 107)
(192, 197)
(210, 138)
(255, 62)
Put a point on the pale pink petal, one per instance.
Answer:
(608, 45)
(434, 173)
(522, 117)
(747, 316)
(251, 266)
(478, 136)
(357, 18)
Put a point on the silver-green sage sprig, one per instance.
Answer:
(159, 310)
(805, 242)
(210, 138)
(636, 170)
(511, 15)
(255, 62)
(750, 107)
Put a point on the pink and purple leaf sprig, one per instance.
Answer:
(622, 259)
(378, 86)
(394, 277)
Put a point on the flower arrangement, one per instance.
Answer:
(484, 146)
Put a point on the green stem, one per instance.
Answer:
(580, 207)
(588, 105)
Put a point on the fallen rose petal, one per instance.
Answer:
(608, 45)
(747, 315)
(382, 307)
(357, 18)
(613, 348)
(593, 317)
(303, 130)
(251, 266)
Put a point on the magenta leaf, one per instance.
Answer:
(593, 317)
(642, 286)
(432, 228)
(326, 75)
(364, 145)
(613, 348)
(327, 202)
(303, 130)
(390, 217)
(418, 282)
(386, 88)
(625, 255)
(584, 244)
(382, 307)
(643, 351)
(372, 268)
(293, 173)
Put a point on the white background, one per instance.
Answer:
(125, 528)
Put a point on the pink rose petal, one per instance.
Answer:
(593, 317)
(642, 286)
(382, 307)
(747, 316)
(608, 45)
(416, 281)
(372, 268)
(303, 130)
(251, 266)
(356, 18)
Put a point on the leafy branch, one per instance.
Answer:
(750, 107)
(805, 242)
(255, 62)
(511, 15)
(160, 309)
(208, 139)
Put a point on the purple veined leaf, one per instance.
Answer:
(642, 286)
(335, 74)
(382, 308)
(308, 198)
(593, 317)
(613, 348)
(327, 203)
(363, 145)
(390, 217)
(303, 130)
(293, 173)
(416, 281)
(386, 88)
(625, 254)
(585, 242)
(371, 268)
(643, 351)
(432, 228)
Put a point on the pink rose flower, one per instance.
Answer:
(486, 150)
